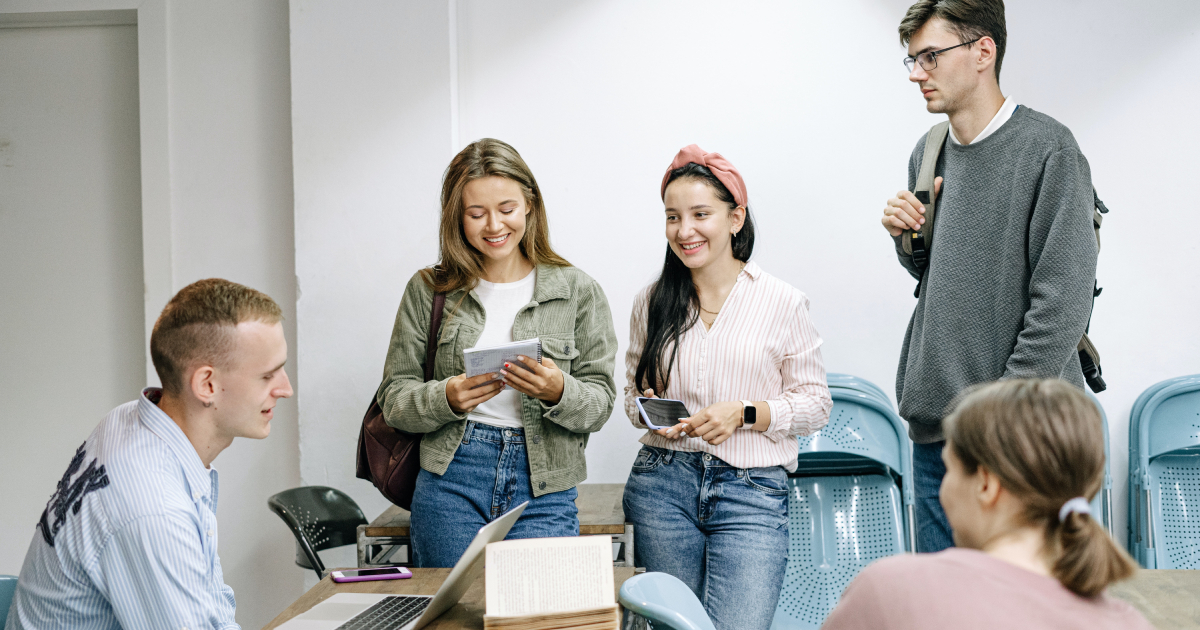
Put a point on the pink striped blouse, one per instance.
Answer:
(762, 347)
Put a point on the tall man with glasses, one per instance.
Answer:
(1007, 289)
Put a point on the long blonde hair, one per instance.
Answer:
(1045, 441)
(461, 265)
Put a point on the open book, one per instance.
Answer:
(551, 584)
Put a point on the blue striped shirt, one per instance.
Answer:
(129, 538)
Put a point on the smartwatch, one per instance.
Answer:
(749, 413)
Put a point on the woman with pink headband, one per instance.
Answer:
(708, 496)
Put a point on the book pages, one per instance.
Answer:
(537, 576)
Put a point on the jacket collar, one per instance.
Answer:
(551, 284)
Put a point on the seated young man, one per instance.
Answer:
(129, 539)
(1022, 457)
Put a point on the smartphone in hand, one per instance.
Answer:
(364, 575)
(661, 413)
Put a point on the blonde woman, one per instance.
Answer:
(1022, 457)
(496, 440)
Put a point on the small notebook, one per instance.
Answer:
(551, 584)
(492, 358)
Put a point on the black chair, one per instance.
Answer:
(320, 517)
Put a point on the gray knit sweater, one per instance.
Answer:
(1008, 291)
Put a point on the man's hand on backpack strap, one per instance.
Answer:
(904, 212)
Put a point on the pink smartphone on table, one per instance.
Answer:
(364, 575)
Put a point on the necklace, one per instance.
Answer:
(718, 311)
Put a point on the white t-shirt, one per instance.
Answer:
(501, 303)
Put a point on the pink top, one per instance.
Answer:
(762, 347)
(964, 588)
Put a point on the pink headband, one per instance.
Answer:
(725, 172)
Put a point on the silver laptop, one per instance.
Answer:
(352, 611)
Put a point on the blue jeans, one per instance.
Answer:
(722, 530)
(488, 476)
(933, 530)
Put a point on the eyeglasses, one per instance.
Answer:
(928, 60)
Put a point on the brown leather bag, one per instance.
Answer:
(388, 457)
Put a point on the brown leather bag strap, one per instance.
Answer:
(431, 341)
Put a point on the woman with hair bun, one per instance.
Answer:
(1022, 458)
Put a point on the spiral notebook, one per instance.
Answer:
(492, 358)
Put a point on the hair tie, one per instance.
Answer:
(1078, 505)
(722, 169)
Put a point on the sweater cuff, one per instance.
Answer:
(435, 400)
(568, 404)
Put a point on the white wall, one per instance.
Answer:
(231, 206)
(810, 100)
(214, 78)
(70, 250)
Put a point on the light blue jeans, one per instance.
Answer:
(488, 476)
(720, 529)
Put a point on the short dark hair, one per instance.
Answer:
(969, 19)
(197, 327)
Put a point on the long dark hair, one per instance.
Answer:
(674, 305)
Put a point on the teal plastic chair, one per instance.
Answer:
(8, 586)
(1102, 502)
(1164, 475)
(849, 381)
(850, 503)
(666, 601)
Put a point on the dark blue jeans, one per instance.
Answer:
(933, 530)
(488, 476)
(721, 530)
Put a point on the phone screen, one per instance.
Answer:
(662, 413)
(366, 572)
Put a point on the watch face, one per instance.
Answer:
(749, 414)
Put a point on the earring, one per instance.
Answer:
(208, 404)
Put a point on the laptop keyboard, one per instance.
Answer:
(388, 614)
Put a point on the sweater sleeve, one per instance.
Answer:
(408, 402)
(589, 390)
(1062, 262)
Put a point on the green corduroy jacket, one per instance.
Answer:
(569, 313)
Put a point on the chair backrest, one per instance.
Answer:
(853, 382)
(1102, 502)
(844, 507)
(319, 517)
(8, 586)
(1164, 472)
(666, 601)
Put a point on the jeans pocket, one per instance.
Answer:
(771, 481)
(648, 459)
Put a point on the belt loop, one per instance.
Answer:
(467, 432)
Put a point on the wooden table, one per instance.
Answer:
(600, 513)
(1169, 599)
(468, 613)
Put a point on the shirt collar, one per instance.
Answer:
(201, 481)
(752, 269)
(1001, 117)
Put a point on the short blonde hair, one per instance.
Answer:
(197, 327)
